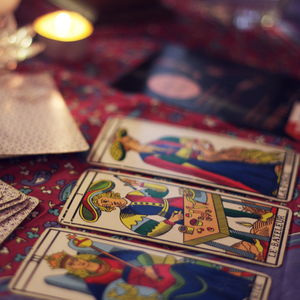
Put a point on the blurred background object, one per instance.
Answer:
(244, 15)
(107, 11)
(8, 7)
(289, 24)
(15, 44)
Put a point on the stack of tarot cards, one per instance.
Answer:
(35, 118)
(14, 208)
(67, 264)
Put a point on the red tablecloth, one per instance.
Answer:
(114, 50)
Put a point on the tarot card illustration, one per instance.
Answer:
(178, 215)
(196, 156)
(75, 265)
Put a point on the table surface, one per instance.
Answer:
(114, 50)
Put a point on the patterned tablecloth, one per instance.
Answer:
(85, 86)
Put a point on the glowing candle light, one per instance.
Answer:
(64, 33)
(62, 24)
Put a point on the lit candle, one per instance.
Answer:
(65, 34)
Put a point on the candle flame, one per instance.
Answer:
(66, 26)
(63, 24)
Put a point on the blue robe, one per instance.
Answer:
(193, 281)
(258, 177)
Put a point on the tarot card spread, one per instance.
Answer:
(196, 156)
(70, 265)
(179, 215)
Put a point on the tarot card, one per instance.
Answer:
(9, 196)
(196, 156)
(19, 200)
(8, 212)
(40, 129)
(6, 294)
(74, 265)
(8, 225)
(8, 193)
(179, 215)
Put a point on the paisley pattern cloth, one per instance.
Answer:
(85, 86)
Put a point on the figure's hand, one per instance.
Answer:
(149, 272)
(260, 257)
(131, 182)
(203, 146)
(189, 143)
(176, 217)
(184, 194)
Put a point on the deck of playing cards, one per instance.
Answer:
(14, 208)
(35, 118)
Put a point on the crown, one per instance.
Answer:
(57, 260)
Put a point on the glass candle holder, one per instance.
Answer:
(15, 43)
